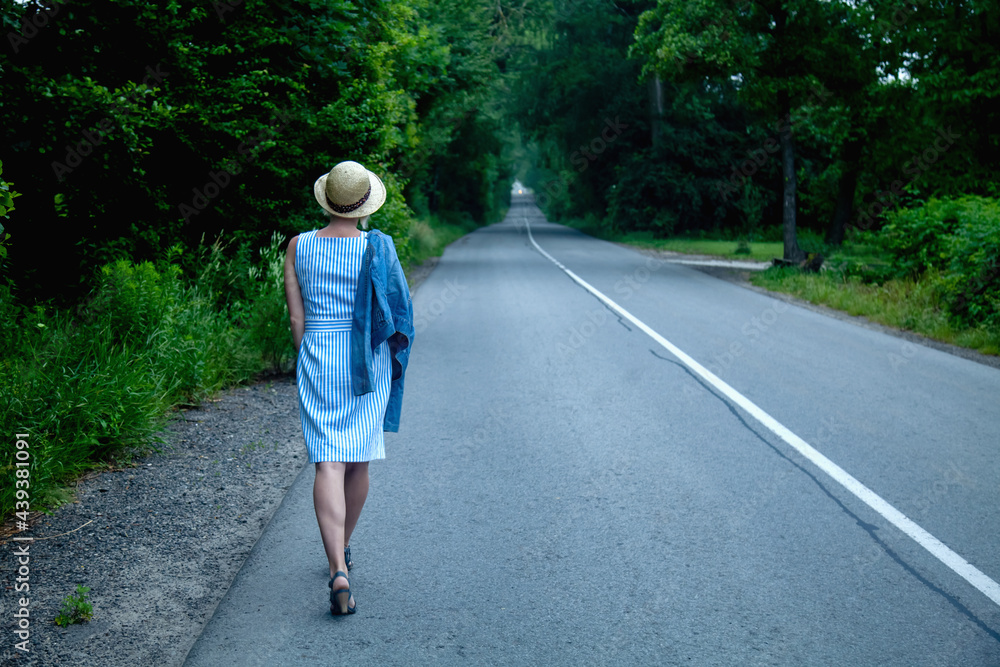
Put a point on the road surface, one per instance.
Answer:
(565, 491)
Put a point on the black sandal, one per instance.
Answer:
(347, 558)
(341, 598)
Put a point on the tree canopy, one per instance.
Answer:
(134, 127)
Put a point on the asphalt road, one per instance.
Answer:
(564, 492)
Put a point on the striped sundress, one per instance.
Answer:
(337, 425)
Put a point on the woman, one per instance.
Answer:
(348, 395)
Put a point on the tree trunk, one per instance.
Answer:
(845, 191)
(656, 109)
(792, 251)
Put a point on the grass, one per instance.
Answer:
(760, 251)
(903, 304)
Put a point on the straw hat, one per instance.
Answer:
(349, 191)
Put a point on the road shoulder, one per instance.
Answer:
(160, 542)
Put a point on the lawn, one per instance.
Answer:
(761, 252)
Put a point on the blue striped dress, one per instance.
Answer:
(337, 425)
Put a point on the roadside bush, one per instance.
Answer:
(661, 197)
(422, 240)
(956, 244)
(95, 385)
(971, 285)
(863, 260)
(917, 238)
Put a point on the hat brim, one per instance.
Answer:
(374, 202)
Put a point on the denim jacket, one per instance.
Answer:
(382, 311)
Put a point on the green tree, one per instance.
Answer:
(776, 53)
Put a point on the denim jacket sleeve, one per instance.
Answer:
(383, 312)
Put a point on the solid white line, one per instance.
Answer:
(938, 549)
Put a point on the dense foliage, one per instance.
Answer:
(131, 127)
(957, 242)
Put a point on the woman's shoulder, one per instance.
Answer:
(294, 241)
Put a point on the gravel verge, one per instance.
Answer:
(160, 540)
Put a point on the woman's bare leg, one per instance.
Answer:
(331, 512)
(355, 494)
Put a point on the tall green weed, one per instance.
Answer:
(96, 384)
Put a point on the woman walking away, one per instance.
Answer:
(352, 324)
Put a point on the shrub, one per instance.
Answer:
(916, 238)
(658, 197)
(955, 243)
(132, 300)
(971, 285)
(98, 385)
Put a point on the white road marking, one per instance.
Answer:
(731, 264)
(936, 547)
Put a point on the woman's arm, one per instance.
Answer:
(296, 311)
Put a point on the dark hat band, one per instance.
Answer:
(350, 207)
